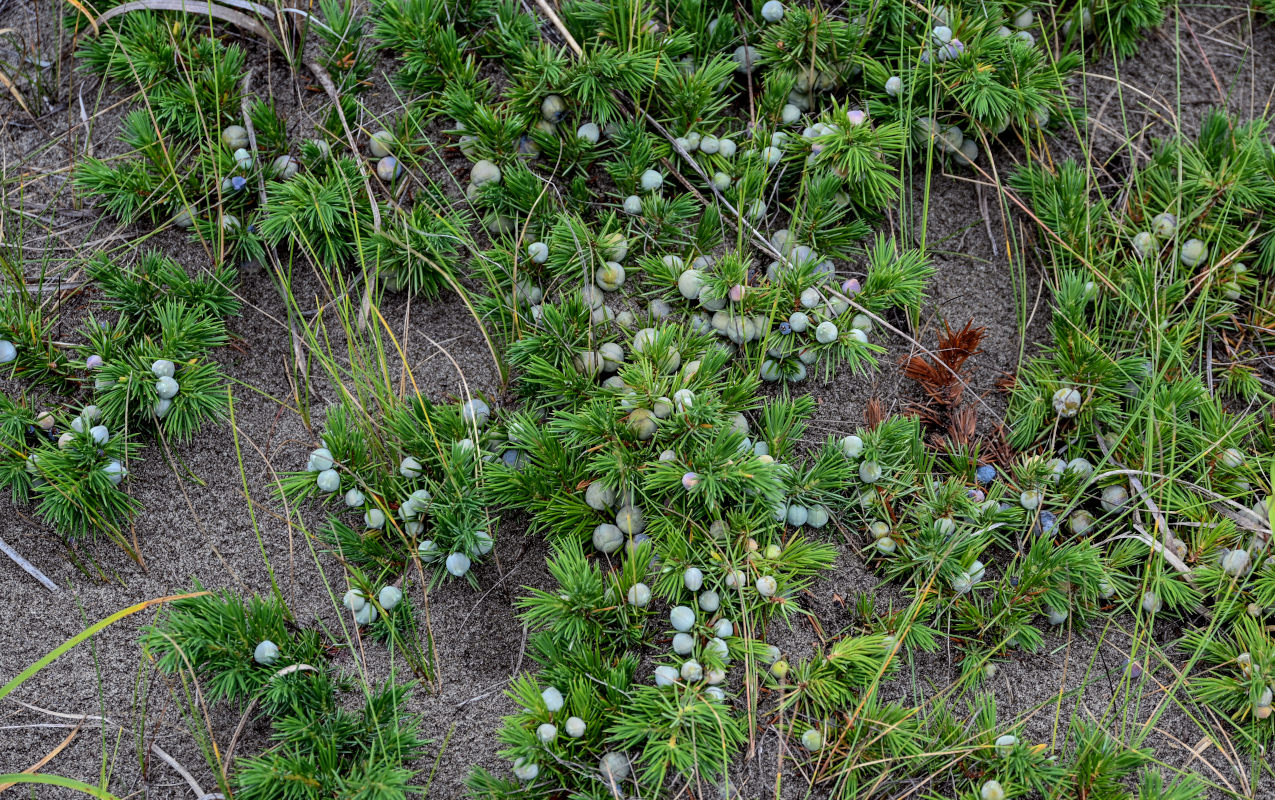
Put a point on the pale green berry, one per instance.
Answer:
(166, 388)
(1151, 602)
(546, 732)
(629, 520)
(328, 480)
(609, 277)
(682, 618)
(1193, 252)
(1144, 244)
(709, 601)
(484, 172)
(389, 597)
(1114, 497)
(458, 564)
(234, 136)
(691, 283)
(553, 108)
(1235, 562)
(354, 600)
(693, 579)
(1231, 457)
(869, 472)
(266, 653)
(410, 468)
(812, 740)
(379, 144)
(639, 595)
(525, 770)
(285, 167)
(797, 515)
(607, 538)
(1066, 402)
(599, 496)
(851, 446)
(552, 699)
(1164, 225)
(475, 411)
(613, 767)
(818, 517)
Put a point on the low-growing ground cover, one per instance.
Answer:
(579, 400)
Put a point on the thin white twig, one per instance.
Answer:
(28, 567)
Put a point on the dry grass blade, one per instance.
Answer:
(13, 90)
(182, 771)
(49, 756)
(214, 10)
(28, 567)
(329, 87)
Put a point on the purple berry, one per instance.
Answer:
(93, 361)
(850, 287)
(785, 328)
(976, 495)
(985, 474)
(1047, 522)
(238, 182)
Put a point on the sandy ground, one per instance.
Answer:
(197, 523)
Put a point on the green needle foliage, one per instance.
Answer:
(322, 747)
(324, 214)
(656, 224)
(25, 324)
(72, 478)
(216, 635)
(75, 483)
